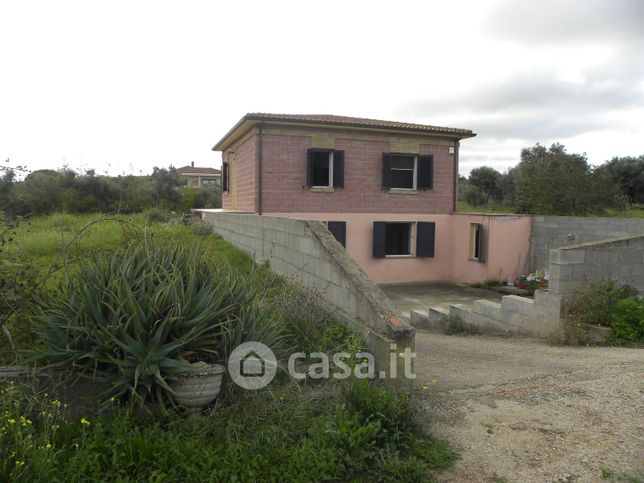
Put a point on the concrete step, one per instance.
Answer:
(487, 308)
(434, 319)
(519, 305)
(486, 325)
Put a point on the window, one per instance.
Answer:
(325, 168)
(477, 242)
(322, 168)
(225, 175)
(403, 239)
(403, 171)
(407, 171)
(398, 237)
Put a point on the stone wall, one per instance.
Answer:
(550, 232)
(308, 253)
(621, 259)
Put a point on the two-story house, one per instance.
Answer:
(197, 177)
(386, 190)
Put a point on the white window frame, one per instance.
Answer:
(412, 239)
(415, 176)
(330, 184)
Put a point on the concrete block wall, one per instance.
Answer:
(308, 253)
(549, 232)
(621, 259)
(514, 315)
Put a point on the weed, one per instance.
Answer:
(457, 326)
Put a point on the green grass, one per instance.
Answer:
(634, 211)
(464, 207)
(289, 431)
(41, 239)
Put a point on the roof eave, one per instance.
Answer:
(252, 120)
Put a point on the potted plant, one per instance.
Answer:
(151, 321)
(197, 387)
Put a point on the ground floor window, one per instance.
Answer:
(403, 239)
(398, 238)
(476, 242)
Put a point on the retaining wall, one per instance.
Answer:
(550, 232)
(621, 259)
(308, 253)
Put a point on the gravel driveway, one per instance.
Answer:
(521, 410)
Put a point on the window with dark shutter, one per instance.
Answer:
(339, 230)
(477, 242)
(425, 179)
(379, 228)
(224, 176)
(425, 238)
(400, 171)
(320, 168)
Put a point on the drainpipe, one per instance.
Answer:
(260, 157)
(456, 146)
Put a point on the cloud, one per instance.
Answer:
(535, 105)
(554, 21)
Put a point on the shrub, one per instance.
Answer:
(594, 302)
(132, 319)
(627, 321)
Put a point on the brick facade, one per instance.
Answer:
(243, 184)
(284, 187)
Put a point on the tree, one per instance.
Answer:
(487, 180)
(551, 181)
(628, 173)
(166, 185)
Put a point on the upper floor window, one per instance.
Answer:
(225, 176)
(407, 171)
(404, 171)
(325, 168)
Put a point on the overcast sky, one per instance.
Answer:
(123, 86)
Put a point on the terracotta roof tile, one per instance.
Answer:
(356, 121)
(339, 121)
(197, 170)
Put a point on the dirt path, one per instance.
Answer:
(521, 410)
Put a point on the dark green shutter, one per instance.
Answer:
(425, 179)
(224, 176)
(339, 230)
(309, 167)
(379, 231)
(338, 169)
(425, 238)
(482, 248)
(386, 171)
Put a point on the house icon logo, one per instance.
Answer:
(252, 365)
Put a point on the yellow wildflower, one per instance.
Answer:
(85, 422)
(48, 446)
(11, 421)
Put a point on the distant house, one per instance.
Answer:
(198, 177)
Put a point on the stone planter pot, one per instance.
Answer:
(195, 389)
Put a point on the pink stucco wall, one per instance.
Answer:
(507, 246)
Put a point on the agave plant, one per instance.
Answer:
(133, 318)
